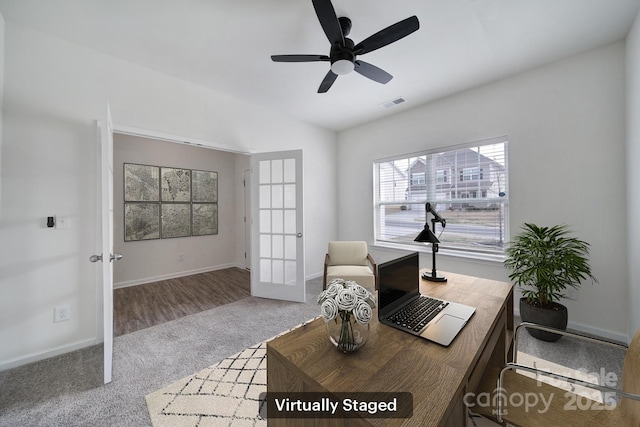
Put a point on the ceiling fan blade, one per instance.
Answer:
(299, 58)
(329, 21)
(327, 82)
(372, 72)
(387, 36)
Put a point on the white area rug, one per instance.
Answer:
(224, 394)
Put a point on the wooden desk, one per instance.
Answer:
(304, 360)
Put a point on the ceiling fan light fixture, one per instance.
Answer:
(343, 52)
(342, 67)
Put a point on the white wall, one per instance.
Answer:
(151, 260)
(1, 95)
(54, 92)
(633, 174)
(566, 123)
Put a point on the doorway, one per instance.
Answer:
(161, 259)
(165, 261)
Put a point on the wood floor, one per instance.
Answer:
(142, 306)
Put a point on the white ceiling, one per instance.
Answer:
(226, 45)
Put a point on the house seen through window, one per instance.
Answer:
(468, 186)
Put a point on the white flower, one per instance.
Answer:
(371, 300)
(332, 290)
(362, 312)
(321, 297)
(338, 281)
(346, 299)
(329, 310)
(360, 292)
(334, 287)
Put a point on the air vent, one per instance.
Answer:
(394, 102)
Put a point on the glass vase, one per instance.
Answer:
(345, 333)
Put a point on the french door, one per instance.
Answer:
(277, 250)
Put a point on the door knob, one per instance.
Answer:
(95, 258)
(116, 257)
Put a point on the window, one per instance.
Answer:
(468, 186)
(471, 174)
(418, 178)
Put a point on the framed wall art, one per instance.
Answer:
(141, 221)
(175, 185)
(204, 187)
(167, 202)
(204, 219)
(176, 220)
(141, 183)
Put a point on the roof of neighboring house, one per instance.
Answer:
(393, 165)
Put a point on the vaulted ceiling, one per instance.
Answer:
(226, 45)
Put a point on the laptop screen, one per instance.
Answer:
(398, 278)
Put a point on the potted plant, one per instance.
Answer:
(544, 261)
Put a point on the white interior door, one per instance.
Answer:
(106, 256)
(247, 216)
(277, 243)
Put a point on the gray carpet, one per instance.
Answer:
(67, 390)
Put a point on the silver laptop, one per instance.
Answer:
(400, 304)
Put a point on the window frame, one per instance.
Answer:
(497, 200)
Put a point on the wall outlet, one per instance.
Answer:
(61, 313)
(180, 257)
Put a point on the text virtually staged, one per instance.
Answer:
(336, 405)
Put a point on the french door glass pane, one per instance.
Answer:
(276, 171)
(290, 272)
(290, 170)
(265, 197)
(276, 197)
(265, 172)
(290, 222)
(277, 216)
(265, 221)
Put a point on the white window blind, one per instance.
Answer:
(468, 186)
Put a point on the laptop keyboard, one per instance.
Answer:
(418, 313)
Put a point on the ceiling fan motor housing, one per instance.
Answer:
(342, 57)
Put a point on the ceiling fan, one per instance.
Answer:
(344, 52)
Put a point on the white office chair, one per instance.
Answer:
(350, 260)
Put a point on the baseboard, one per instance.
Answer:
(598, 332)
(175, 275)
(591, 330)
(34, 357)
(314, 276)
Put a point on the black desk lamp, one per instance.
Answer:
(428, 236)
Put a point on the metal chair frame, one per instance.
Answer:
(514, 365)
